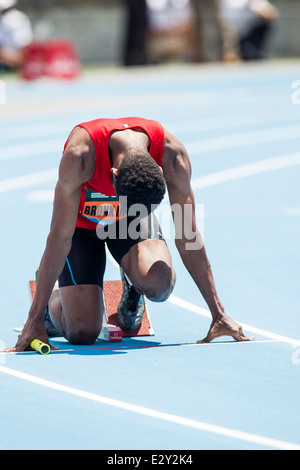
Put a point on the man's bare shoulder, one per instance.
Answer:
(79, 159)
(175, 160)
(79, 142)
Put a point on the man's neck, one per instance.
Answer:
(124, 142)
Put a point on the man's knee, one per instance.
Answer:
(82, 335)
(159, 282)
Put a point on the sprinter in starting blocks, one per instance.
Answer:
(113, 175)
(111, 329)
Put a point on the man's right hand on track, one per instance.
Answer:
(30, 332)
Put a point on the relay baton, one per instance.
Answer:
(40, 347)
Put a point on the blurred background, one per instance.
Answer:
(141, 32)
(224, 77)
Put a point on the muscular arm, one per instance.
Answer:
(66, 203)
(74, 170)
(177, 171)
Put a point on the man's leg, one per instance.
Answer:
(146, 269)
(77, 312)
(76, 308)
(148, 266)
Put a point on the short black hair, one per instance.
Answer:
(141, 180)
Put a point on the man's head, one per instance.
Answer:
(140, 179)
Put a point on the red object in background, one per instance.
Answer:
(54, 59)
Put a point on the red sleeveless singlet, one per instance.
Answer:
(99, 203)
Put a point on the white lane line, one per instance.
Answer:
(207, 181)
(154, 414)
(55, 146)
(46, 195)
(277, 134)
(229, 121)
(244, 171)
(291, 211)
(252, 329)
(32, 149)
(60, 128)
(28, 180)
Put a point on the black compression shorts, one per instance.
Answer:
(86, 261)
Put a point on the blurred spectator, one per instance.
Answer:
(251, 22)
(15, 34)
(171, 29)
(136, 33)
(211, 33)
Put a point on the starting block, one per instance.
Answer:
(112, 292)
(111, 330)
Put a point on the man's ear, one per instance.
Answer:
(114, 175)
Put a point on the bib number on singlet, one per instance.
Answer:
(102, 209)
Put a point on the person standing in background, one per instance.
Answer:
(135, 52)
(15, 35)
(171, 30)
(250, 22)
(214, 39)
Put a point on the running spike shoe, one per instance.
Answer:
(131, 308)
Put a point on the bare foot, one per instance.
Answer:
(225, 326)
